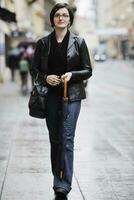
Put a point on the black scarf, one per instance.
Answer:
(57, 60)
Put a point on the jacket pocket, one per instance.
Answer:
(76, 91)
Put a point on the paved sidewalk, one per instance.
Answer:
(104, 145)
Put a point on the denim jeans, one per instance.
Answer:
(53, 121)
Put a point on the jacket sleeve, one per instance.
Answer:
(85, 62)
(36, 63)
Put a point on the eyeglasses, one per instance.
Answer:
(64, 15)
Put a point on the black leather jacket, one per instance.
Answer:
(78, 62)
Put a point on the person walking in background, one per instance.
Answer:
(29, 54)
(13, 62)
(58, 56)
(24, 69)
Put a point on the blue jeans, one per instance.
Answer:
(53, 121)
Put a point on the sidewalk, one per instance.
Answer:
(104, 145)
(24, 150)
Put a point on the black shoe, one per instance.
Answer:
(61, 194)
(60, 198)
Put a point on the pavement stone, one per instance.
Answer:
(104, 144)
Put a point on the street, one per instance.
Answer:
(104, 142)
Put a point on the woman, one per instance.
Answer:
(58, 56)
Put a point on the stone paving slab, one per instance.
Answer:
(104, 158)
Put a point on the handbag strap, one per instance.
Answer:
(65, 89)
(36, 79)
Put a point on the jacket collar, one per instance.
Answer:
(72, 37)
(71, 41)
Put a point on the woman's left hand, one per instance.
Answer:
(66, 76)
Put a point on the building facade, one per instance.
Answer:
(28, 25)
(30, 22)
(115, 23)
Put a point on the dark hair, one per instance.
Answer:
(59, 6)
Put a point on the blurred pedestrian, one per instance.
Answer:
(57, 56)
(29, 52)
(13, 61)
(24, 69)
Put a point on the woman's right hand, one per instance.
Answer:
(53, 80)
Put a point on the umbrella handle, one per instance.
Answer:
(61, 174)
(65, 89)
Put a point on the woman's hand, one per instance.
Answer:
(53, 80)
(66, 76)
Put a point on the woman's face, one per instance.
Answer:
(61, 18)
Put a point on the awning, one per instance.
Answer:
(7, 15)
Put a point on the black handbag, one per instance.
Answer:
(38, 100)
